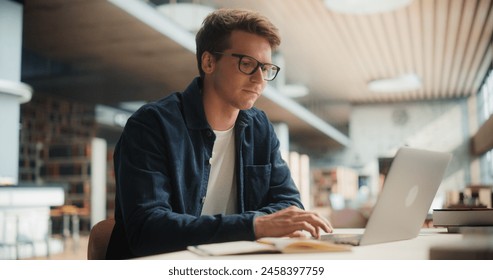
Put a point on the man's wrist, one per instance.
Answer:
(254, 221)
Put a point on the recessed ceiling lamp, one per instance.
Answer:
(408, 82)
(365, 6)
(188, 15)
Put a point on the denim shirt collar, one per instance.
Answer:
(193, 106)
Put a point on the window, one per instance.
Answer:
(486, 97)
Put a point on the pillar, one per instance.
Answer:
(12, 91)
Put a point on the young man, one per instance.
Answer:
(204, 166)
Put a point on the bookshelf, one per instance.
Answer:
(110, 182)
(68, 162)
(342, 181)
(56, 146)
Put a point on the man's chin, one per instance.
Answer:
(247, 106)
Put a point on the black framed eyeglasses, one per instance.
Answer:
(249, 65)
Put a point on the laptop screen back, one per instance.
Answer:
(408, 191)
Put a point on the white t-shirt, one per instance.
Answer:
(221, 188)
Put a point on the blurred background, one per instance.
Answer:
(359, 79)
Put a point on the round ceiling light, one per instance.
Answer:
(408, 82)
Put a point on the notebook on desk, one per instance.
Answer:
(402, 206)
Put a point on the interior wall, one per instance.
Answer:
(378, 130)
(475, 163)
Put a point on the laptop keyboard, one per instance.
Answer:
(348, 239)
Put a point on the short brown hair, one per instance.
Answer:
(216, 30)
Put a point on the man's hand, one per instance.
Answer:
(290, 222)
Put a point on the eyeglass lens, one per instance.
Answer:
(249, 65)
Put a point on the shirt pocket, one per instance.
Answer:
(257, 184)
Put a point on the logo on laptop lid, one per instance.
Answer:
(412, 195)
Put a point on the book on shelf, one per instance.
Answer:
(268, 245)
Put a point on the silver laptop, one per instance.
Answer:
(408, 191)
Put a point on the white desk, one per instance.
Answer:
(413, 249)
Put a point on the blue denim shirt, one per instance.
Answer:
(162, 170)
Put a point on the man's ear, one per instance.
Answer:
(208, 62)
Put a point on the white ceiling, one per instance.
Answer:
(109, 56)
